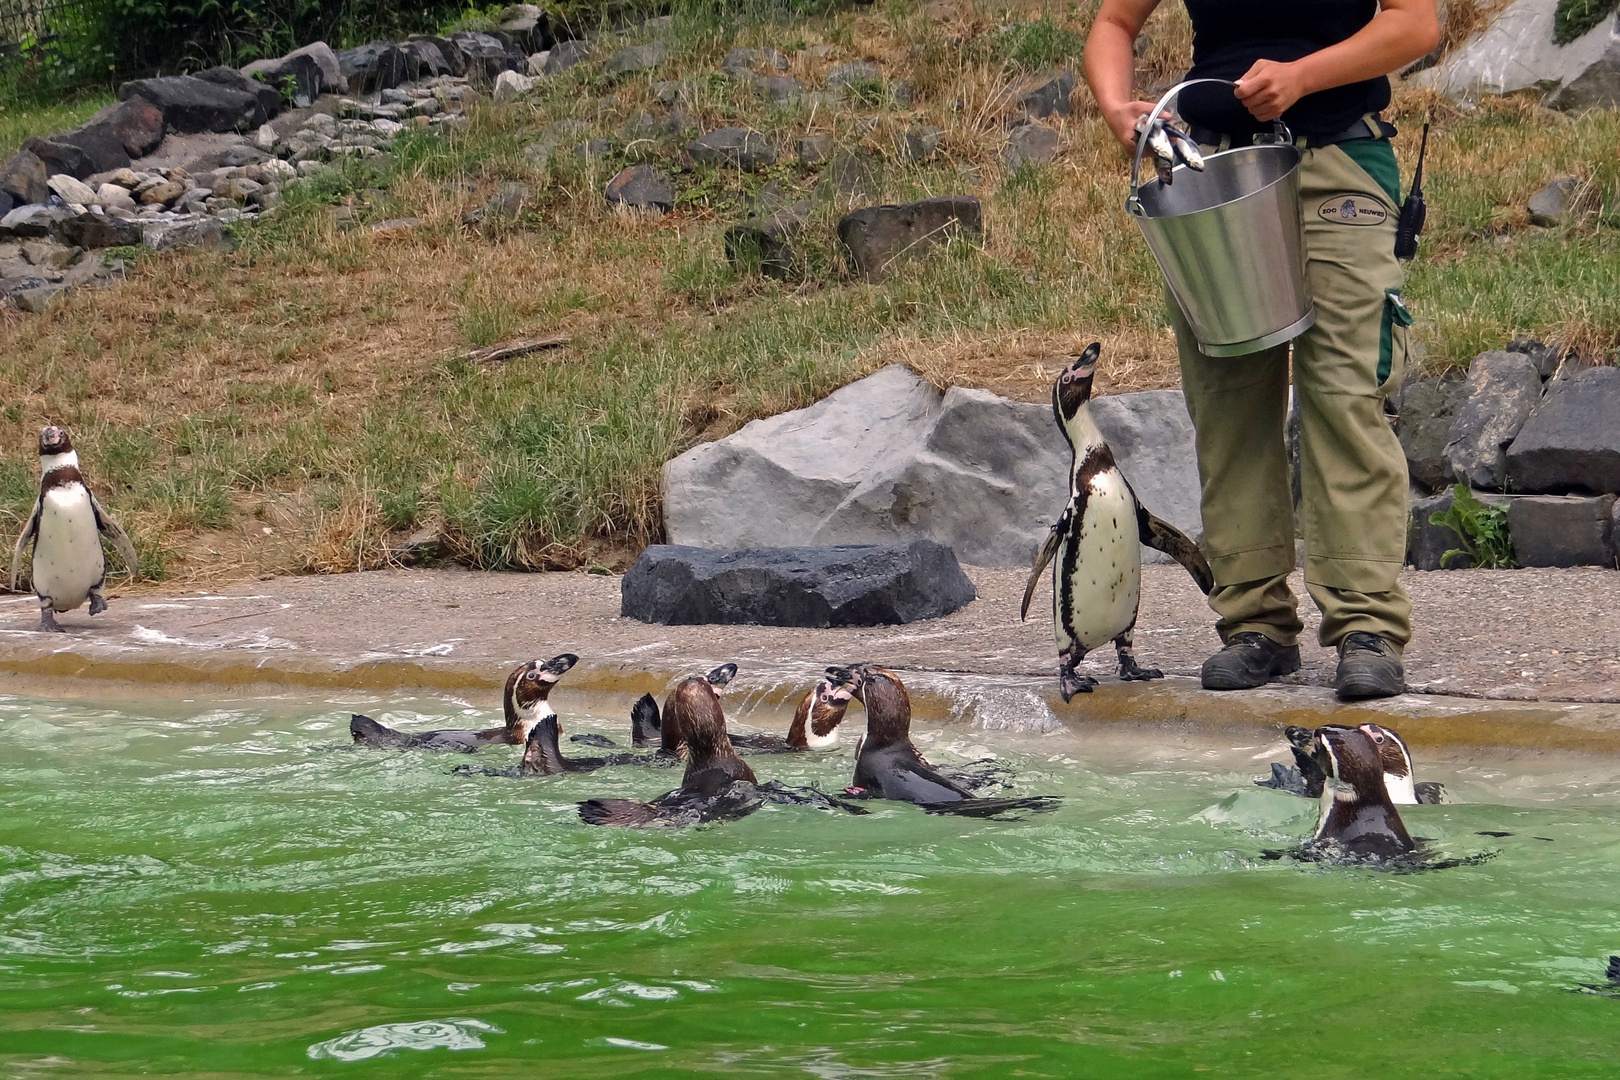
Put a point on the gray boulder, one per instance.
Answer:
(60, 157)
(776, 87)
(1426, 407)
(1048, 97)
(527, 25)
(454, 60)
(1501, 389)
(739, 147)
(1572, 440)
(642, 187)
(880, 237)
(917, 143)
(92, 230)
(191, 105)
(1030, 144)
(424, 59)
(33, 220)
(380, 65)
(268, 97)
(1553, 204)
(1561, 530)
(848, 585)
(136, 122)
(565, 54)
(1545, 357)
(634, 58)
(302, 69)
(766, 241)
(1517, 52)
(891, 458)
(23, 178)
(858, 71)
(814, 149)
(199, 232)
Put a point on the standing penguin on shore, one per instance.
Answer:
(65, 529)
(1097, 578)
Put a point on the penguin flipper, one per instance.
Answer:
(120, 539)
(1048, 550)
(645, 728)
(30, 531)
(367, 732)
(1161, 535)
(623, 813)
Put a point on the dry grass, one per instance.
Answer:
(304, 384)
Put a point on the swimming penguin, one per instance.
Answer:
(1357, 816)
(1097, 578)
(816, 720)
(66, 528)
(1306, 779)
(542, 756)
(888, 766)
(649, 724)
(523, 701)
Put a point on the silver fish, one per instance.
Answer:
(1186, 149)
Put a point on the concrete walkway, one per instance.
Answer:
(1494, 650)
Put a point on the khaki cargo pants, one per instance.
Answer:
(1352, 469)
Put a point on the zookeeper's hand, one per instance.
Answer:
(1270, 88)
(1122, 120)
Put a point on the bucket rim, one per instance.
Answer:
(1135, 207)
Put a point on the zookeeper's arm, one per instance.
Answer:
(1402, 31)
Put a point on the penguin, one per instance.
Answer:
(649, 725)
(888, 766)
(66, 529)
(1306, 779)
(1357, 817)
(542, 756)
(524, 702)
(1097, 577)
(816, 720)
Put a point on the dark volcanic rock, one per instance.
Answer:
(527, 26)
(1030, 144)
(878, 237)
(60, 157)
(1572, 441)
(642, 187)
(849, 175)
(137, 123)
(1048, 97)
(853, 585)
(455, 61)
(302, 69)
(917, 143)
(102, 145)
(268, 97)
(814, 149)
(380, 65)
(565, 54)
(1425, 408)
(634, 58)
(198, 232)
(1501, 390)
(190, 105)
(92, 230)
(765, 241)
(1545, 357)
(1562, 530)
(747, 150)
(424, 60)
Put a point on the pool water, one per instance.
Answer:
(208, 889)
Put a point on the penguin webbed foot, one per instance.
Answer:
(1071, 682)
(590, 738)
(98, 603)
(1130, 671)
(48, 623)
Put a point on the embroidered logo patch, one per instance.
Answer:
(1352, 210)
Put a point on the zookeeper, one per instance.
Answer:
(1322, 66)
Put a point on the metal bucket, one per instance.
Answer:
(1230, 242)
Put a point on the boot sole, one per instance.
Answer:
(1362, 688)
(1285, 664)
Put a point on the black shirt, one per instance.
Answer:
(1230, 35)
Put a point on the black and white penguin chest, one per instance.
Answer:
(1097, 576)
(68, 562)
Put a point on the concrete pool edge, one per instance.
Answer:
(764, 693)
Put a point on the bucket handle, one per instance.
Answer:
(1133, 205)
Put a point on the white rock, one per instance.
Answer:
(115, 196)
(266, 138)
(1516, 52)
(387, 127)
(71, 190)
(277, 170)
(509, 86)
(889, 458)
(537, 62)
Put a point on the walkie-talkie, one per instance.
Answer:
(1412, 210)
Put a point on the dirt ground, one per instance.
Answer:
(1514, 635)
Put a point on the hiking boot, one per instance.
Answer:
(1249, 660)
(1369, 667)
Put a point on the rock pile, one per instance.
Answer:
(1531, 430)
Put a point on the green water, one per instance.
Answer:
(198, 889)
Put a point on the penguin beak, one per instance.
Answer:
(558, 666)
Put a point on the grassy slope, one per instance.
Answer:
(292, 405)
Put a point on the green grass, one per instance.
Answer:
(313, 370)
(21, 118)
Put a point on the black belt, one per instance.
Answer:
(1361, 129)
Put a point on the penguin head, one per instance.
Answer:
(527, 689)
(1073, 386)
(54, 440)
(1351, 758)
(720, 676)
